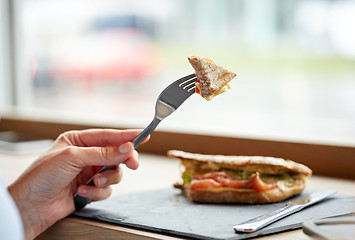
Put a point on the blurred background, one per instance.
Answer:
(106, 61)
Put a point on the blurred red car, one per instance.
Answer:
(115, 54)
(110, 50)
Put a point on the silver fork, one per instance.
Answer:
(168, 101)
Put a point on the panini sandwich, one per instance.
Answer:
(239, 179)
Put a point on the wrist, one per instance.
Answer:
(30, 216)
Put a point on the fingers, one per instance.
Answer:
(106, 178)
(99, 137)
(132, 162)
(102, 181)
(94, 193)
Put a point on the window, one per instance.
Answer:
(106, 62)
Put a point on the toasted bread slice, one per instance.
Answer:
(212, 79)
(267, 165)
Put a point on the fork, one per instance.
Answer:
(168, 101)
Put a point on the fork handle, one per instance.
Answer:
(148, 130)
(80, 201)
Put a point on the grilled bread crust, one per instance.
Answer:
(267, 165)
(212, 77)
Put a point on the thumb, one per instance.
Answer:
(102, 156)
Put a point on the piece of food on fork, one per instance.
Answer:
(239, 179)
(212, 79)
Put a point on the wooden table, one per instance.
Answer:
(155, 172)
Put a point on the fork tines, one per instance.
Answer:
(189, 83)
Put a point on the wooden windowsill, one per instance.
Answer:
(324, 160)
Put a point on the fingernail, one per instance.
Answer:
(124, 148)
(102, 180)
(83, 191)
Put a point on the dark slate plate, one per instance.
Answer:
(167, 211)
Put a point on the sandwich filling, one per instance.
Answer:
(216, 180)
(236, 180)
(219, 91)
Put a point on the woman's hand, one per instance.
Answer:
(44, 192)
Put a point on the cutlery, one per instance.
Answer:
(168, 101)
(291, 207)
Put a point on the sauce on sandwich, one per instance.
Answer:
(214, 180)
(198, 88)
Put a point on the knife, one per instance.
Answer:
(291, 207)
